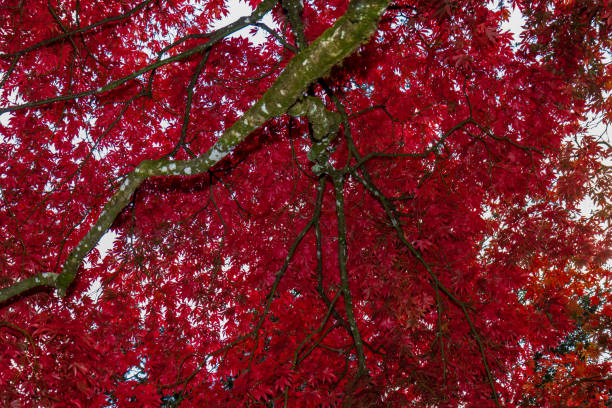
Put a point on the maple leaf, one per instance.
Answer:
(421, 244)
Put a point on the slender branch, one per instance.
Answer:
(68, 233)
(440, 332)
(366, 110)
(59, 23)
(187, 115)
(316, 344)
(188, 378)
(507, 140)
(281, 273)
(241, 210)
(217, 260)
(277, 36)
(296, 354)
(297, 358)
(488, 132)
(9, 71)
(482, 355)
(294, 156)
(250, 79)
(422, 154)
(80, 30)
(31, 346)
(603, 142)
(20, 330)
(294, 9)
(346, 292)
(215, 37)
(109, 86)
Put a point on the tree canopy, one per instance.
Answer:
(377, 203)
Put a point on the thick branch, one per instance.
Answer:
(42, 279)
(349, 31)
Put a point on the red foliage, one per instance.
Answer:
(433, 253)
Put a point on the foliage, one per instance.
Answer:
(378, 204)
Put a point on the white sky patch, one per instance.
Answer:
(515, 24)
(587, 206)
(4, 118)
(95, 290)
(14, 99)
(105, 243)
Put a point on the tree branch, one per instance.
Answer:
(69, 34)
(346, 292)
